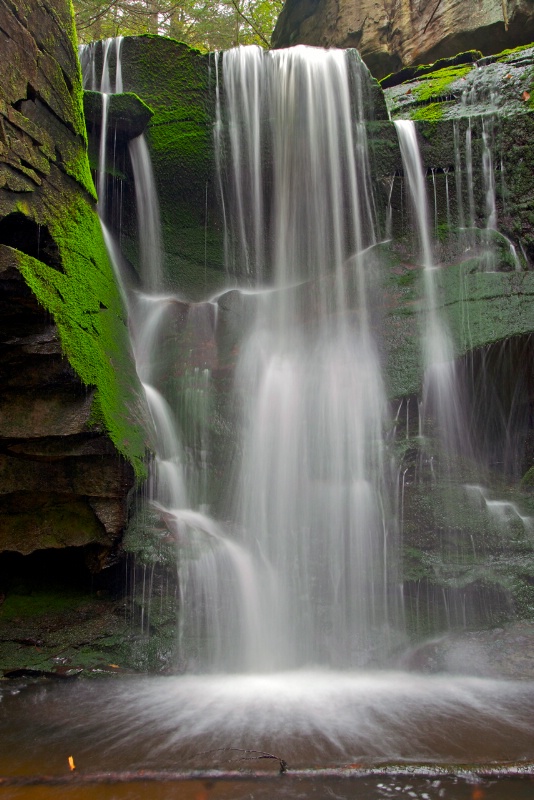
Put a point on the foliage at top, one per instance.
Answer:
(199, 23)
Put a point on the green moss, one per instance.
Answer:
(85, 303)
(437, 84)
(26, 606)
(527, 481)
(443, 232)
(171, 77)
(128, 115)
(178, 84)
(504, 54)
(182, 144)
(408, 74)
(430, 113)
(149, 540)
(408, 279)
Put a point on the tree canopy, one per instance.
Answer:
(199, 23)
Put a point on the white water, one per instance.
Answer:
(309, 718)
(311, 497)
(148, 221)
(440, 391)
(305, 568)
(218, 585)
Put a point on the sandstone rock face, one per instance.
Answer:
(62, 336)
(393, 33)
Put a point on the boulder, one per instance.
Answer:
(128, 116)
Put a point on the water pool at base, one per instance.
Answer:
(331, 728)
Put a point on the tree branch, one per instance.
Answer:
(250, 22)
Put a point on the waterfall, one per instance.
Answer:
(297, 563)
(274, 558)
(219, 605)
(312, 493)
(440, 391)
(304, 573)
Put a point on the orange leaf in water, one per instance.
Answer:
(115, 666)
(477, 794)
(72, 765)
(526, 96)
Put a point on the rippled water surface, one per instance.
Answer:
(311, 719)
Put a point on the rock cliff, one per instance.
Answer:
(69, 438)
(393, 33)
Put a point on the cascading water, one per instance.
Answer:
(440, 391)
(480, 108)
(449, 411)
(312, 494)
(314, 551)
(218, 591)
(305, 568)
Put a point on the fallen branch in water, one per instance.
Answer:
(251, 755)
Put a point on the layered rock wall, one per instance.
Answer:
(69, 435)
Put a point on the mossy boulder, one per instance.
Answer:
(128, 116)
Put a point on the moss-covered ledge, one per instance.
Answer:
(178, 83)
(87, 310)
(128, 115)
(462, 87)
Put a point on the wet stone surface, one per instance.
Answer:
(497, 653)
(48, 635)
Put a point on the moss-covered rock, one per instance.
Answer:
(464, 88)
(69, 404)
(178, 84)
(128, 116)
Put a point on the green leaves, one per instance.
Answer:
(199, 23)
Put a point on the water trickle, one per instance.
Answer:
(447, 197)
(458, 173)
(148, 220)
(440, 396)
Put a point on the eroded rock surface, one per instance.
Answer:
(62, 334)
(393, 33)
